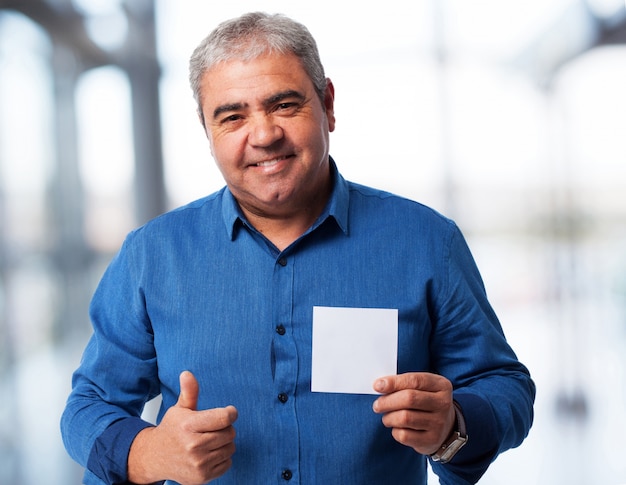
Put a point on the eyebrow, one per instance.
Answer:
(275, 98)
(278, 97)
(226, 108)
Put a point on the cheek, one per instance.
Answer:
(221, 146)
(227, 152)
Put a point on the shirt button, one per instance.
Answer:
(286, 474)
(282, 262)
(280, 330)
(282, 397)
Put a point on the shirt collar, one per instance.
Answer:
(337, 206)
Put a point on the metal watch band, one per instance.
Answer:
(454, 442)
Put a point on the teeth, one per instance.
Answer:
(268, 163)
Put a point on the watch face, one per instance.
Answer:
(449, 448)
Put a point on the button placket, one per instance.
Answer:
(286, 367)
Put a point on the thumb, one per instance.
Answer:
(189, 390)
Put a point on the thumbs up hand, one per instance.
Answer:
(188, 446)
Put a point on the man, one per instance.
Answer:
(211, 306)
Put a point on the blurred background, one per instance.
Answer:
(509, 117)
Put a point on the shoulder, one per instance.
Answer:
(385, 207)
(180, 217)
(196, 219)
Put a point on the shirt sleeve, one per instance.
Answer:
(109, 454)
(471, 462)
(495, 391)
(102, 413)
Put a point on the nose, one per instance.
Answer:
(264, 131)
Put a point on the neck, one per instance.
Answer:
(283, 226)
(281, 233)
(283, 230)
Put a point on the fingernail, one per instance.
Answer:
(379, 385)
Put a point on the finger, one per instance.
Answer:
(421, 431)
(410, 399)
(212, 441)
(201, 464)
(222, 454)
(222, 460)
(423, 442)
(221, 418)
(189, 390)
(212, 420)
(421, 381)
(408, 419)
(407, 436)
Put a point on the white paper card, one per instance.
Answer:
(352, 347)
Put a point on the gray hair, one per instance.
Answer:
(250, 36)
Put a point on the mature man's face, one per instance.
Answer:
(269, 133)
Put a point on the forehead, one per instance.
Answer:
(255, 77)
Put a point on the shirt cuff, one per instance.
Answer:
(108, 459)
(472, 461)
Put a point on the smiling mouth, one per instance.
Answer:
(272, 162)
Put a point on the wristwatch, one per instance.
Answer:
(455, 441)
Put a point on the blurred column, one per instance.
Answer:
(442, 59)
(70, 252)
(141, 63)
(10, 459)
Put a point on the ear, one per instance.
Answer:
(204, 128)
(201, 117)
(329, 104)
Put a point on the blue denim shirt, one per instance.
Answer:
(199, 289)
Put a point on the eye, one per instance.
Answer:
(286, 108)
(231, 119)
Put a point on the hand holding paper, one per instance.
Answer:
(418, 407)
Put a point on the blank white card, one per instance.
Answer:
(352, 347)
